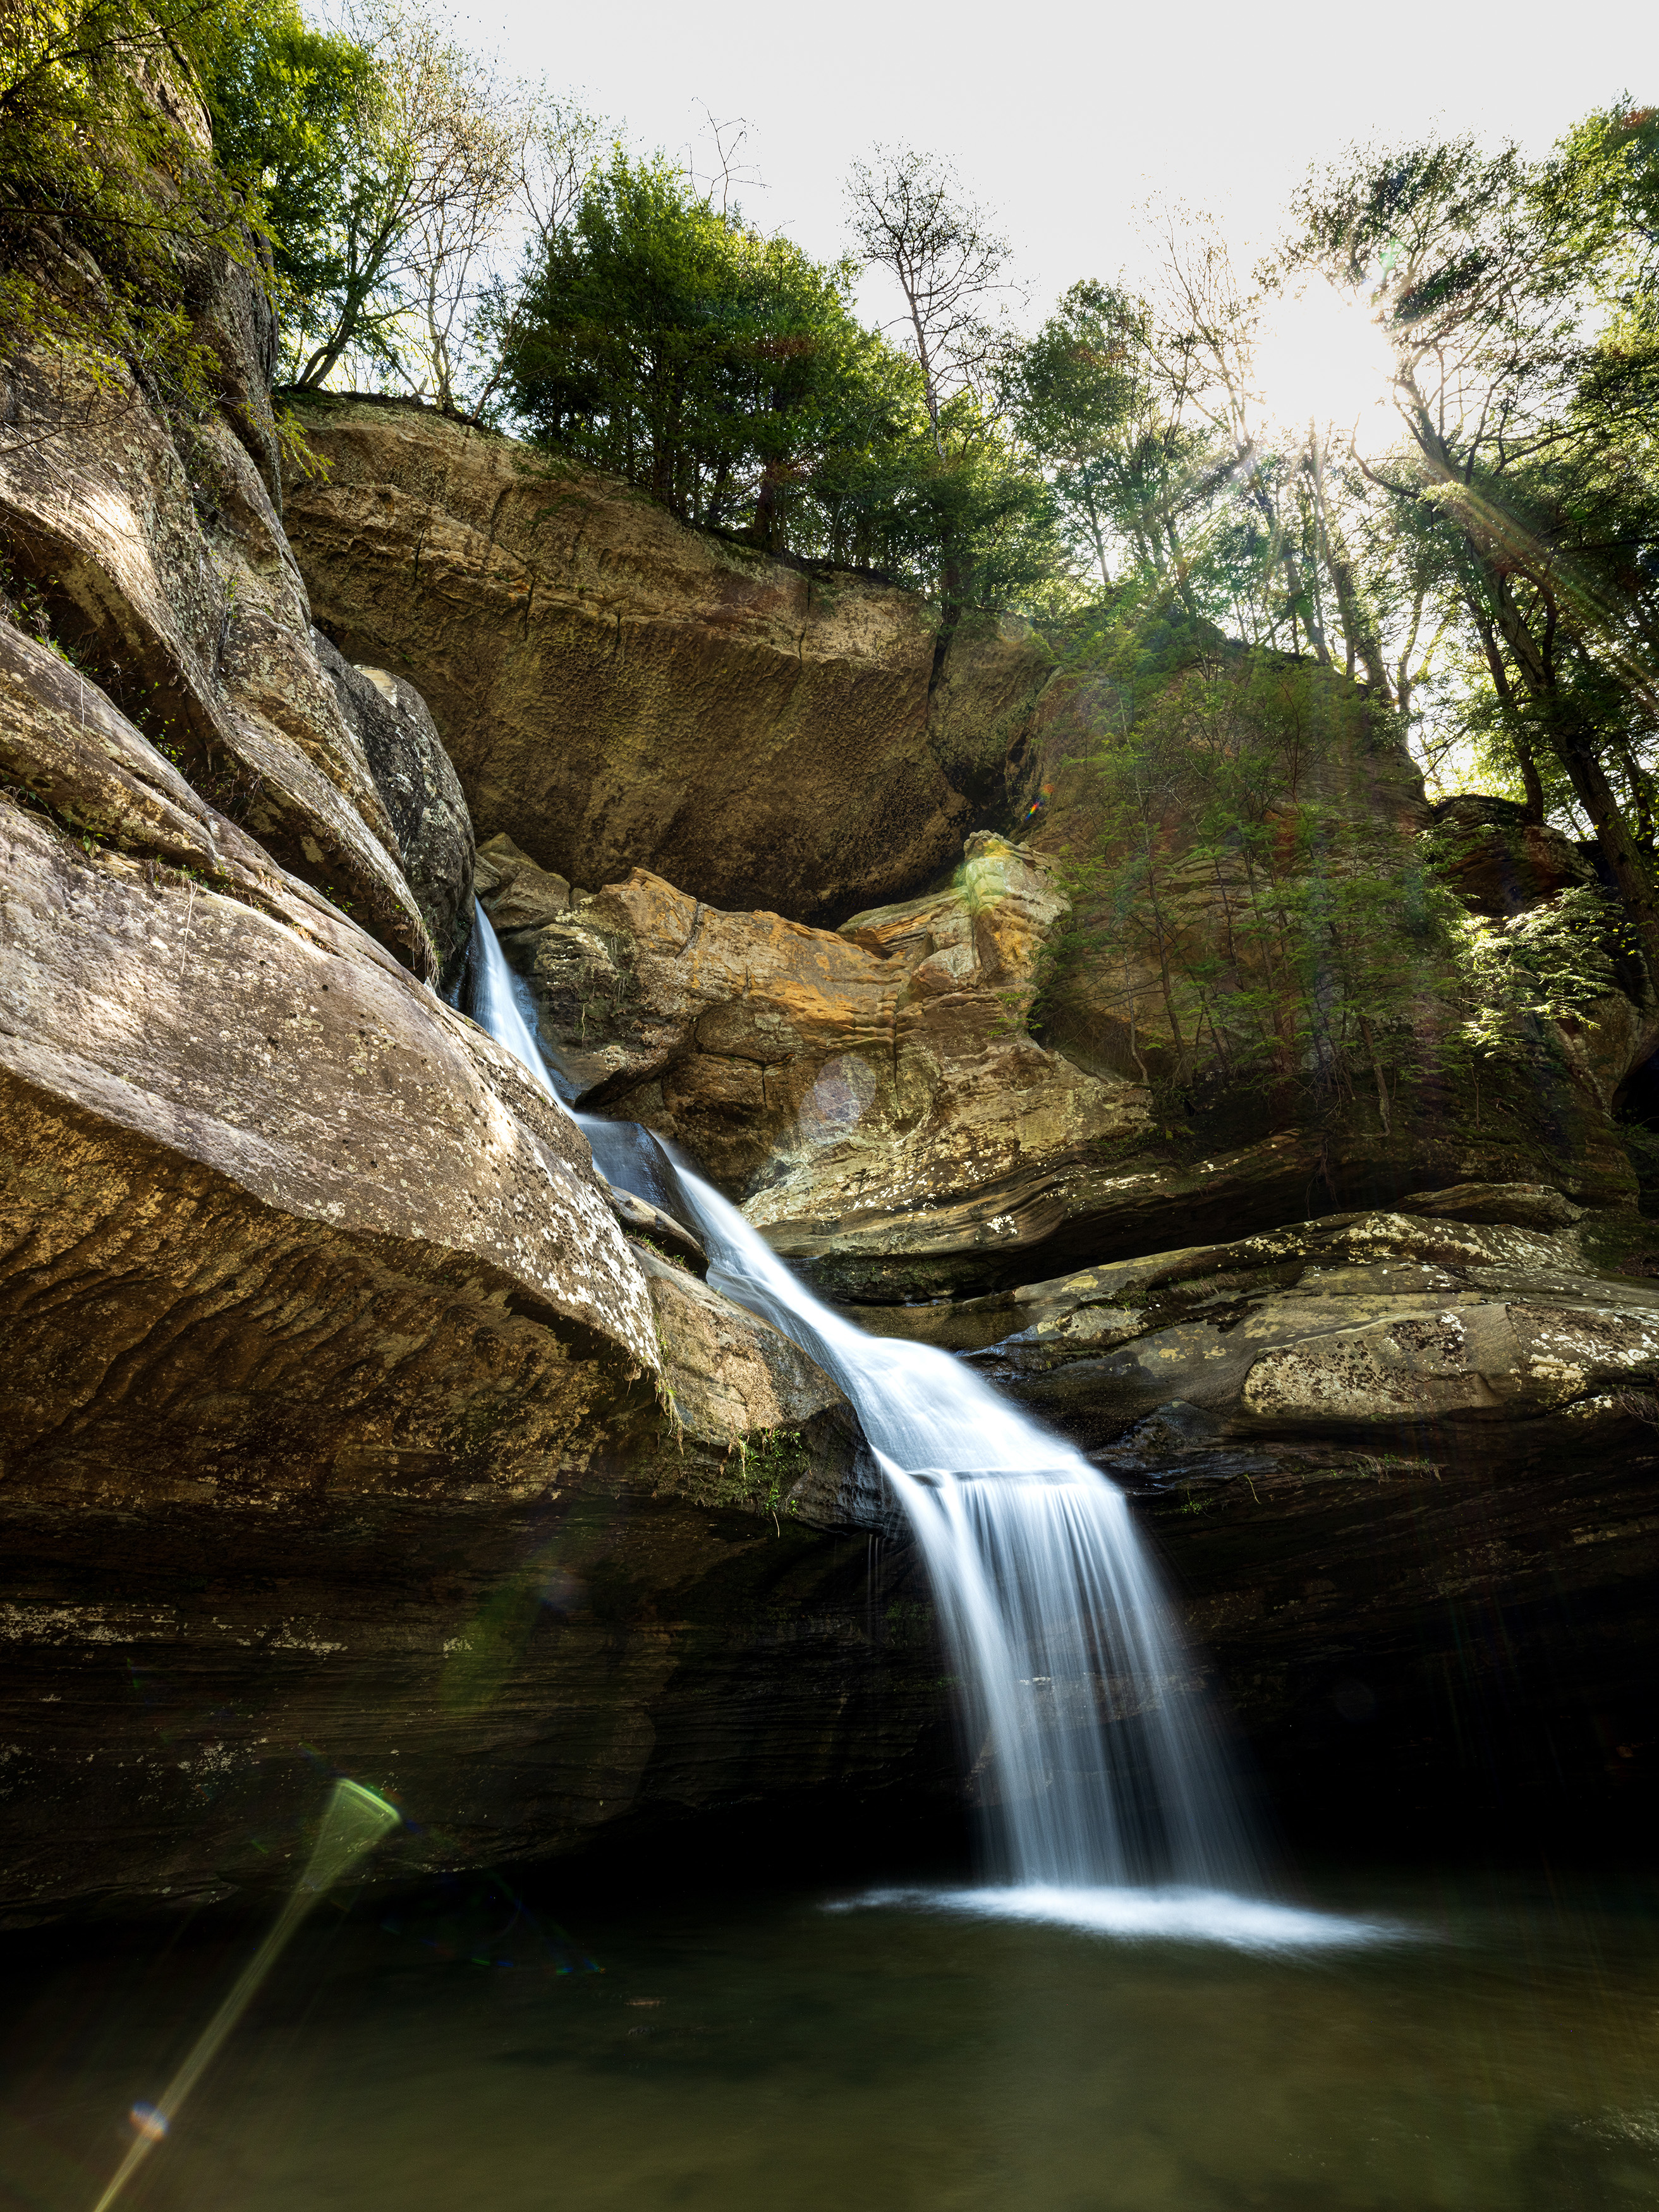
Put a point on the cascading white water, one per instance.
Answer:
(495, 1007)
(1051, 1609)
(1094, 1757)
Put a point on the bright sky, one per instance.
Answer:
(1064, 116)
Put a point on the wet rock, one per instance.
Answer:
(1478, 1342)
(644, 1219)
(1520, 1205)
(1434, 1646)
(752, 1424)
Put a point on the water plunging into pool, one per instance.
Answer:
(1093, 1755)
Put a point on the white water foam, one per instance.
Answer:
(1147, 1916)
(1104, 1802)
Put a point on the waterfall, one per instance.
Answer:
(1092, 1752)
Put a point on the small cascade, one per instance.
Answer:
(1093, 1752)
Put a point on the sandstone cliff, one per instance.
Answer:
(619, 691)
(352, 1419)
(343, 1421)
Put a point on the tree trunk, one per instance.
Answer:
(1574, 745)
(1506, 699)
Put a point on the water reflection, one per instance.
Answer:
(458, 2051)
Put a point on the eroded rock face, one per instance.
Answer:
(619, 691)
(1423, 1651)
(169, 577)
(342, 1419)
(868, 1093)
(339, 1412)
(1470, 1339)
(193, 1019)
(521, 1674)
(414, 776)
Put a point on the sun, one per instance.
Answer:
(1322, 359)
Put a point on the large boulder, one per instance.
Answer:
(336, 1398)
(869, 1094)
(1497, 1326)
(414, 776)
(618, 690)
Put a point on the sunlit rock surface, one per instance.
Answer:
(620, 691)
(870, 1093)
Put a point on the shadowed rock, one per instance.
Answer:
(414, 776)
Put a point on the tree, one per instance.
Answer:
(109, 197)
(910, 217)
(1083, 397)
(656, 336)
(384, 159)
(1529, 454)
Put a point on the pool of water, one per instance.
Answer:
(1487, 2045)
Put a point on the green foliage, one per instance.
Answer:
(724, 372)
(1085, 401)
(109, 202)
(1253, 922)
(1549, 964)
(756, 1473)
(294, 114)
(665, 1252)
(1519, 302)
(663, 340)
(1276, 927)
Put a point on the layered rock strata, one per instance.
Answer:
(1499, 1325)
(348, 1423)
(320, 1323)
(620, 691)
(1403, 1470)
(166, 578)
(870, 1092)
(415, 776)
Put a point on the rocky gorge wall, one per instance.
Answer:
(346, 1425)
(755, 734)
(352, 1421)
(1428, 1361)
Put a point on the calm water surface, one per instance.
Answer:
(771, 2056)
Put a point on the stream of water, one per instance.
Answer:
(1083, 1719)
(1120, 2020)
(678, 2049)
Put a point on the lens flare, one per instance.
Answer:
(355, 1820)
(1321, 358)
